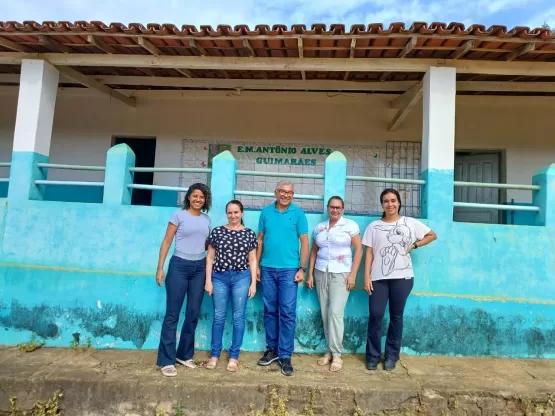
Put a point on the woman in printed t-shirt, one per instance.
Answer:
(333, 267)
(230, 273)
(389, 276)
(186, 272)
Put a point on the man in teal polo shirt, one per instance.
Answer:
(282, 224)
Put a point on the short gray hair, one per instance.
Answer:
(285, 182)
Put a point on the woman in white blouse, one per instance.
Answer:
(333, 269)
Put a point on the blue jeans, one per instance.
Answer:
(234, 283)
(279, 292)
(185, 277)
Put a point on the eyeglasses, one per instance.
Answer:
(334, 207)
(282, 192)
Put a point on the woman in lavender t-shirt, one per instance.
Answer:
(186, 275)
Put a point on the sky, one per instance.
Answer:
(510, 13)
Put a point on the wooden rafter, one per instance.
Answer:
(351, 56)
(185, 72)
(405, 103)
(94, 84)
(194, 44)
(147, 45)
(247, 45)
(50, 42)
(462, 50)
(523, 50)
(301, 54)
(6, 43)
(100, 44)
(408, 47)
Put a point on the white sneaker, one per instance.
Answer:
(187, 363)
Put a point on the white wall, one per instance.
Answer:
(86, 122)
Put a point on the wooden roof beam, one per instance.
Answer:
(94, 84)
(462, 50)
(147, 45)
(194, 44)
(408, 47)
(405, 102)
(48, 41)
(185, 72)
(6, 43)
(301, 54)
(523, 50)
(482, 67)
(247, 45)
(100, 44)
(351, 56)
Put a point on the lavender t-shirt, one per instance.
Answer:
(191, 234)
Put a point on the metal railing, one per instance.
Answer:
(157, 187)
(279, 175)
(69, 167)
(497, 185)
(5, 165)
(499, 207)
(271, 195)
(386, 180)
(161, 170)
(496, 206)
(180, 170)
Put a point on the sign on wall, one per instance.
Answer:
(380, 159)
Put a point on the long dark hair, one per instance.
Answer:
(394, 192)
(205, 191)
(239, 204)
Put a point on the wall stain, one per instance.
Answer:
(255, 320)
(450, 330)
(435, 329)
(309, 331)
(130, 324)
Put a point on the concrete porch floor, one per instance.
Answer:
(116, 382)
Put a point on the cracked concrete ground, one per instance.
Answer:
(116, 382)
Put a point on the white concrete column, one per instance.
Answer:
(438, 143)
(33, 128)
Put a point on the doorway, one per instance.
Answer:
(477, 167)
(145, 152)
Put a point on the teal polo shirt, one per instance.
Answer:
(282, 230)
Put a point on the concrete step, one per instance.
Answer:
(127, 383)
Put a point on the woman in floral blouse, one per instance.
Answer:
(334, 268)
(230, 273)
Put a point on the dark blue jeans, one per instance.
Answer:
(184, 277)
(279, 292)
(236, 284)
(396, 291)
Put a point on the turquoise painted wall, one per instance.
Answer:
(88, 269)
(72, 270)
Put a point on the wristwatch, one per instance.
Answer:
(302, 268)
(415, 245)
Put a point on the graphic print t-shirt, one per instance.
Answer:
(232, 248)
(390, 242)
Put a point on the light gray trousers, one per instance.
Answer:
(332, 295)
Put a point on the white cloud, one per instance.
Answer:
(271, 12)
(545, 16)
